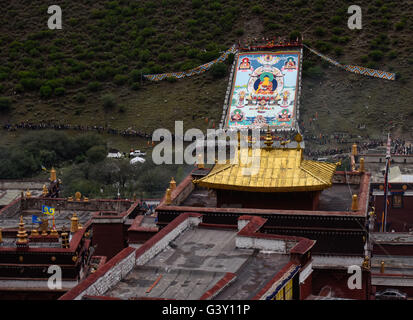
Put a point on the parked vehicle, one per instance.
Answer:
(115, 155)
(391, 294)
(137, 153)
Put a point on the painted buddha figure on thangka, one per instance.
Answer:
(237, 115)
(290, 65)
(284, 116)
(245, 64)
(266, 85)
(241, 98)
(286, 95)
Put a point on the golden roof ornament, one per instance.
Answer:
(366, 263)
(354, 203)
(21, 233)
(44, 226)
(268, 139)
(354, 149)
(34, 232)
(200, 161)
(28, 193)
(45, 190)
(53, 232)
(362, 165)
(86, 199)
(78, 195)
(172, 184)
(168, 199)
(298, 138)
(53, 174)
(74, 223)
(70, 198)
(382, 267)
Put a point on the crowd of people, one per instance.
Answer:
(399, 146)
(343, 140)
(59, 126)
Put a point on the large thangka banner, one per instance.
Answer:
(264, 91)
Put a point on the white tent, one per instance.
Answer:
(137, 160)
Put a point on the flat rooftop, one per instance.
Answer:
(336, 198)
(392, 237)
(194, 262)
(396, 265)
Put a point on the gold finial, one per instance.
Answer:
(45, 190)
(34, 232)
(382, 267)
(44, 226)
(53, 174)
(79, 226)
(78, 195)
(172, 184)
(200, 161)
(53, 232)
(361, 164)
(168, 199)
(298, 138)
(86, 199)
(268, 139)
(354, 203)
(70, 198)
(28, 193)
(366, 262)
(74, 223)
(21, 234)
(354, 149)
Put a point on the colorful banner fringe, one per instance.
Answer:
(197, 70)
(357, 69)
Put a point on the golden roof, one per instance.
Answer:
(274, 170)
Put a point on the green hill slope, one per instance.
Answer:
(104, 48)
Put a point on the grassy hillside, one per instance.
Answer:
(105, 47)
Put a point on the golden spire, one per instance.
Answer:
(382, 267)
(298, 138)
(74, 223)
(21, 234)
(200, 161)
(34, 232)
(53, 232)
(53, 174)
(28, 193)
(366, 262)
(45, 191)
(354, 203)
(354, 150)
(168, 199)
(44, 226)
(172, 184)
(78, 195)
(268, 139)
(361, 164)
